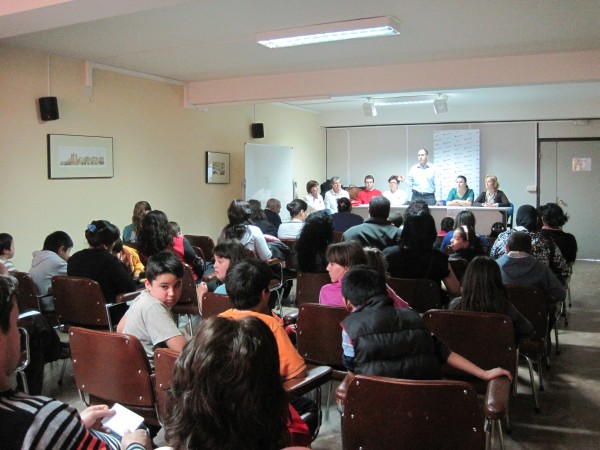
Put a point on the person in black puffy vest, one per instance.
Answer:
(378, 339)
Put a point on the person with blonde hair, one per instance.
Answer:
(492, 196)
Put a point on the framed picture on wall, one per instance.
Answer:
(217, 168)
(79, 156)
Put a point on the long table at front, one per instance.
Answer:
(484, 217)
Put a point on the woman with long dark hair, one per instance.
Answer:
(483, 291)
(312, 243)
(227, 392)
(132, 231)
(157, 234)
(98, 263)
(240, 228)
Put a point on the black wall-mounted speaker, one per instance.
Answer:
(48, 108)
(258, 130)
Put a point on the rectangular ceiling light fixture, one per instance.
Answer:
(329, 32)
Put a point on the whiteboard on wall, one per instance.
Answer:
(456, 152)
(269, 174)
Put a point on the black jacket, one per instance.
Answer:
(393, 342)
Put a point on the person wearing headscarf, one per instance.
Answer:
(545, 250)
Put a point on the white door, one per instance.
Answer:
(570, 176)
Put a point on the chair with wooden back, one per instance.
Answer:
(486, 339)
(27, 294)
(214, 304)
(205, 243)
(319, 338)
(113, 368)
(164, 361)
(188, 301)
(421, 294)
(79, 302)
(386, 413)
(309, 286)
(531, 303)
(459, 267)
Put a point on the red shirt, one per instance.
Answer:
(365, 196)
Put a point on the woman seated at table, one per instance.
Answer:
(461, 195)
(397, 197)
(483, 291)
(313, 199)
(492, 196)
(466, 244)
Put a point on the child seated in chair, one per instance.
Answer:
(7, 251)
(149, 317)
(378, 339)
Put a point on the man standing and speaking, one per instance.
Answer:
(424, 180)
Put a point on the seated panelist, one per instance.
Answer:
(492, 196)
(461, 195)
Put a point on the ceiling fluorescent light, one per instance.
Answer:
(405, 100)
(328, 32)
(369, 108)
(440, 105)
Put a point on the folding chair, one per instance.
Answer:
(421, 294)
(188, 302)
(386, 413)
(164, 361)
(113, 368)
(486, 339)
(205, 243)
(319, 339)
(79, 301)
(214, 304)
(459, 267)
(309, 286)
(530, 302)
(27, 294)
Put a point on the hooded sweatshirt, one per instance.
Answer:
(44, 266)
(524, 270)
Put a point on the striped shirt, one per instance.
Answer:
(37, 422)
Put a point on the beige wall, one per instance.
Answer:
(158, 150)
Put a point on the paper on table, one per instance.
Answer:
(124, 419)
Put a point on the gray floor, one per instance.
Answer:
(570, 405)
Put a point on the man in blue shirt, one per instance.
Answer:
(425, 182)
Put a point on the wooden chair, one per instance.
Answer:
(319, 338)
(113, 368)
(188, 302)
(530, 302)
(486, 339)
(79, 301)
(205, 243)
(309, 286)
(214, 304)
(387, 413)
(27, 294)
(337, 235)
(459, 267)
(164, 361)
(421, 294)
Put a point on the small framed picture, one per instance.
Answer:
(217, 168)
(79, 156)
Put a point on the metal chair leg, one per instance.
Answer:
(62, 372)
(532, 380)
